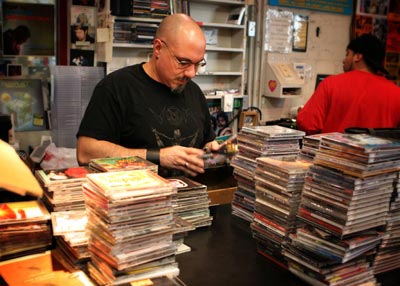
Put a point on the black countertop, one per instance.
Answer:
(225, 254)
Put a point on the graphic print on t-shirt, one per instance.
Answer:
(175, 118)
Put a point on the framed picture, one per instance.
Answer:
(300, 33)
(81, 57)
(28, 29)
(82, 35)
(23, 99)
(248, 118)
(84, 16)
(211, 36)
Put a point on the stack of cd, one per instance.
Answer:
(310, 145)
(344, 204)
(349, 187)
(143, 32)
(359, 155)
(316, 269)
(267, 141)
(255, 142)
(388, 254)
(334, 249)
(24, 229)
(130, 225)
(191, 201)
(244, 196)
(151, 8)
(63, 196)
(69, 230)
(63, 187)
(279, 181)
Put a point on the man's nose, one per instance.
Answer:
(190, 72)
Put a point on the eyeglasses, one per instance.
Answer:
(183, 63)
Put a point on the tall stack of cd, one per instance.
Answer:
(191, 209)
(72, 89)
(130, 225)
(345, 201)
(254, 142)
(388, 254)
(279, 181)
(63, 196)
(191, 202)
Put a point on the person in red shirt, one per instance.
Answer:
(359, 97)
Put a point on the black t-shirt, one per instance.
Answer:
(131, 109)
(8, 41)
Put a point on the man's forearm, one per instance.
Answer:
(90, 148)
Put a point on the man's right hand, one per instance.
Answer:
(186, 159)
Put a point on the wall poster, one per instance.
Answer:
(28, 29)
(278, 31)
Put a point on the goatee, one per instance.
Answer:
(180, 88)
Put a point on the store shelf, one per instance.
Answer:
(132, 46)
(225, 56)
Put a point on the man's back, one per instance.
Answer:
(351, 99)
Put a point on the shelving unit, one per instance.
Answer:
(125, 54)
(225, 59)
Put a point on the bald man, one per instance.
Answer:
(153, 110)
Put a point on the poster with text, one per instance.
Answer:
(28, 29)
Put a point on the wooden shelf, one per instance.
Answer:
(221, 196)
(220, 25)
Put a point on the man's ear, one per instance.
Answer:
(358, 57)
(157, 47)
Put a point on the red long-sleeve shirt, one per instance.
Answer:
(351, 99)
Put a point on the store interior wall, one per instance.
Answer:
(324, 55)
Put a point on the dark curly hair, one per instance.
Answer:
(223, 115)
(21, 34)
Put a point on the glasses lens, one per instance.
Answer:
(202, 63)
(183, 64)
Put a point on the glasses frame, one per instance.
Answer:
(182, 63)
